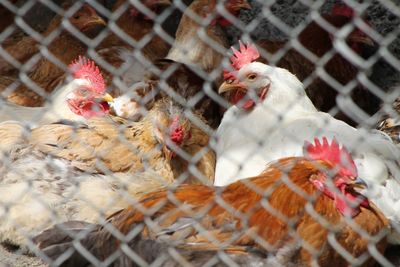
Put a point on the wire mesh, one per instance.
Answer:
(132, 135)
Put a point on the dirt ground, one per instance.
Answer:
(8, 259)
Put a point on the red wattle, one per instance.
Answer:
(346, 202)
(238, 95)
(88, 108)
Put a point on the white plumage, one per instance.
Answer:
(128, 106)
(279, 126)
(38, 190)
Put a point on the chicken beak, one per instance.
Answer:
(362, 39)
(163, 3)
(108, 98)
(96, 20)
(242, 5)
(359, 184)
(231, 85)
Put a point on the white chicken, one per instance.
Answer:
(83, 97)
(272, 116)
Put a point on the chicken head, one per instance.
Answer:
(87, 94)
(87, 21)
(342, 187)
(173, 128)
(247, 85)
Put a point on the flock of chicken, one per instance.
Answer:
(156, 171)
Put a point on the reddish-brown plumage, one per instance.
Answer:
(240, 218)
(320, 42)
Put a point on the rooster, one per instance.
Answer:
(82, 98)
(251, 220)
(89, 170)
(45, 74)
(316, 39)
(272, 115)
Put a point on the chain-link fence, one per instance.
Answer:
(132, 135)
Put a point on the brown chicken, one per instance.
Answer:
(205, 52)
(320, 42)
(97, 141)
(298, 212)
(184, 84)
(45, 74)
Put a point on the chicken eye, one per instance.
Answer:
(77, 17)
(83, 92)
(252, 76)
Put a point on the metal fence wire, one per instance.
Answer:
(131, 134)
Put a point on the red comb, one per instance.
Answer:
(342, 10)
(176, 132)
(332, 153)
(83, 68)
(245, 55)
